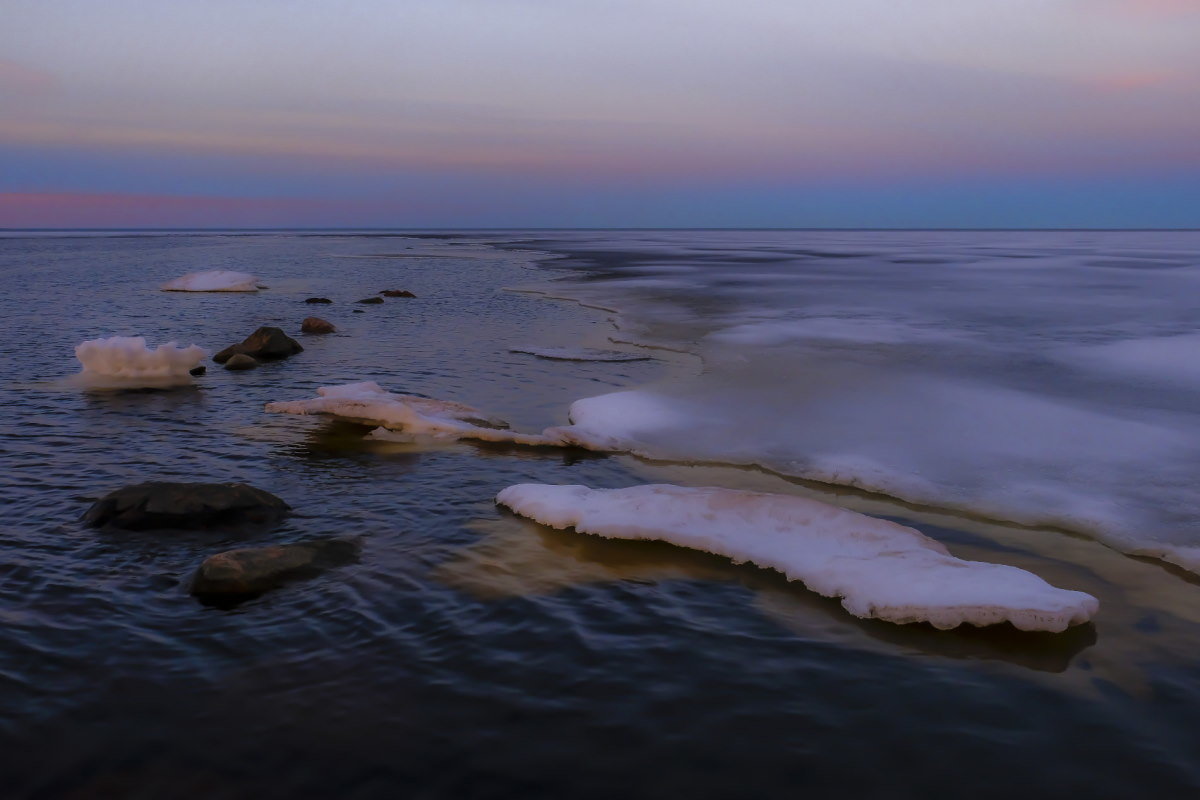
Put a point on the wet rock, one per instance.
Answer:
(316, 325)
(370, 300)
(163, 505)
(240, 361)
(318, 300)
(265, 344)
(200, 370)
(250, 571)
(359, 311)
(397, 293)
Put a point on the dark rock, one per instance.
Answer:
(359, 311)
(200, 370)
(316, 325)
(161, 505)
(250, 571)
(370, 300)
(397, 293)
(318, 300)
(265, 344)
(241, 361)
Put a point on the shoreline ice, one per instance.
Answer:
(878, 569)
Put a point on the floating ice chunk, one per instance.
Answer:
(579, 354)
(369, 403)
(128, 357)
(878, 569)
(216, 280)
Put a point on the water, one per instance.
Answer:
(472, 654)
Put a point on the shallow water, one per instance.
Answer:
(472, 654)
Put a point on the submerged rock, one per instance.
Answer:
(316, 325)
(359, 311)
(163, 505)
(370, 300)
(265, 344)
(318, 300)
(200, 370)
(250, 571)
(397, 293)
(240, 361)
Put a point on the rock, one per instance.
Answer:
(161, 505)
(318, 300)
(200, 370)
(359, 311)
(370, 300)
(397, 293)
(265, 344)
(240, 361)
(254, 570)
(316, 325)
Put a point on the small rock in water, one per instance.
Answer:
(318, 300)
(316, 325)
(241, 361)
(250, 571)
(163, 505)
(200, 370)
(265, 344)
(359, 311)
(397, 293)
(370, 300)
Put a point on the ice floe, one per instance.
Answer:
(128, 357)
(579, 354)
(369, 403)
(878, 569)
(216, 280)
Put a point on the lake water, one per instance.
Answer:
(1026, 398)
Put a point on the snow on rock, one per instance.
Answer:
(216, 280)
(129, 357)
(369, 403)
(579, 354)
(878, 569)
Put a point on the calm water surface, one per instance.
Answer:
(469, 653)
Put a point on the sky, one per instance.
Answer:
(599, 113)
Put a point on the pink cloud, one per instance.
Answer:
(87, 210)
(1131, 81)
(1157, 7)
(22, 80)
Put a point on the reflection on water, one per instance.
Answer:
(467, 653)
(518, 557)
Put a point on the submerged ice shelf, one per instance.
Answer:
(878, 569)
(216, 280)
(578, 354)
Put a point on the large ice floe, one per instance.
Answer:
(878, 569)
(128, 358)
(216, 280)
